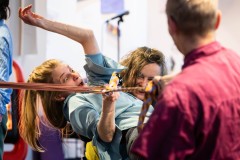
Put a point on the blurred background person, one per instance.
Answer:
(6, 49)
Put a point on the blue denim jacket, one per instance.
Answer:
(6, 49)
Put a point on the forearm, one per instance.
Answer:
(106, 124)
(84, 36)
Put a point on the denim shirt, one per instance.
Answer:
(84, 110)
(99, 69)
(6, 49)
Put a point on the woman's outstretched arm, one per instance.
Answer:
(84, 36)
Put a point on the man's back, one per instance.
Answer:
(211, 79)
(197, 116)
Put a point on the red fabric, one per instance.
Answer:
(198, 115)
(20, 149)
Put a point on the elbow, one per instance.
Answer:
(90, 37)
(108, 138)
(90, 34)
(106, 135)
(90, 44)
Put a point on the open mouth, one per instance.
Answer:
(142, 92)
(81, 83)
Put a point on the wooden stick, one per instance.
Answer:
(60, 87)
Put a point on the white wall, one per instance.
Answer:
(87, 14)
(157, 33)
(146, 25)
(228, 33)
(29, 42)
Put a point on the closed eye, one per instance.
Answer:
(150, 78)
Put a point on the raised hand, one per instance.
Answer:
(106, 125)
(29, 17)
(81, 35)
(110, 97)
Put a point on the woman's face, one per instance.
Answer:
(146, 74)
(65, 75)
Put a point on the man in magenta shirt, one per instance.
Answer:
(197, 116)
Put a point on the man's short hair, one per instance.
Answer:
(193, 16)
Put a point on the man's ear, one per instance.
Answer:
(218, 20)
(172, 27)
(59, 98)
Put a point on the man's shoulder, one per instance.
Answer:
(182, 86)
